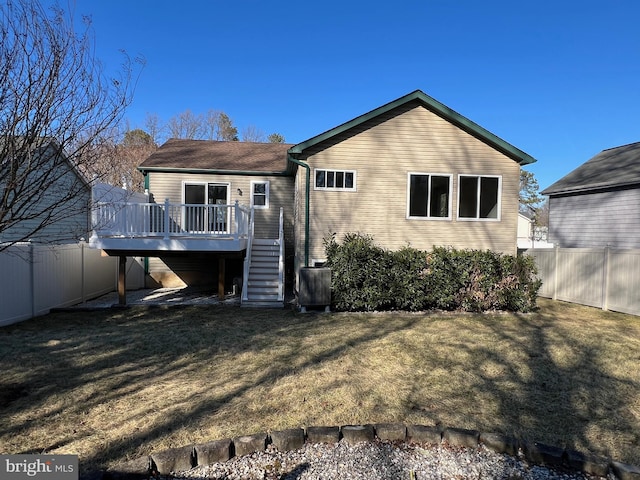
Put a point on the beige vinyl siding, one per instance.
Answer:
(170, 186)
(383, 153)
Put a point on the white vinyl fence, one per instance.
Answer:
(606, 278)
(36, 278)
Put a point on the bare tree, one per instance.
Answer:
(253, 134)
(186, 125)
(57, 106)
(153, 126)
(212, 125)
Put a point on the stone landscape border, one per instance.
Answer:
(185, 458)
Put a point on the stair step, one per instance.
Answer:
(263, 283)
(265, 241)
(264, 261)
(264, 268)
(263, 296)
(263, 275)
(262, 304)
(265, 248)
(269, 258)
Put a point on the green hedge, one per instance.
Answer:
(366, 277)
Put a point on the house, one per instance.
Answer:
(598, 203)
(53, 203)
(411, 172)
(531, 235)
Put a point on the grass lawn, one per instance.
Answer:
(117, 384)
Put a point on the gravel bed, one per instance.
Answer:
(377, 460)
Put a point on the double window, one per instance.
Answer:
(429, 196)
(478, 197)
(335, 180)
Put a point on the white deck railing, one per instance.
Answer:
(113, 219)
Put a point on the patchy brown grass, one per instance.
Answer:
(115, 385)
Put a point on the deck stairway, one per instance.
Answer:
(264, 273)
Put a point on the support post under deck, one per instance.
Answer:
(122, 280)
(221, 274)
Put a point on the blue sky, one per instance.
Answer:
(557, 79)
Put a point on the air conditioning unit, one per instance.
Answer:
(314, 288)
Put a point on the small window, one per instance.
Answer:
(335, 180)
(429, 196)
(260, 194)
(479, 197)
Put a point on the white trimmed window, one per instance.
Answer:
(335, 180)
(429, 196)
(260, 194)
(479, 197)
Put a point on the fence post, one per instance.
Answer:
(555, 272)
(82, 273)
(32, 278)
(605, 279)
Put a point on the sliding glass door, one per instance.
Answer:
(206, 207)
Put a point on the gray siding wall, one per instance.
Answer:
(71, 211)
(609, 218)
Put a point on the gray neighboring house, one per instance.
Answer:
(598, 203)
(57, 209)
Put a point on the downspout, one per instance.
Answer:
(306, 206)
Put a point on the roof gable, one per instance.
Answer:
(214, 156)
(434, 106)
(614, 167)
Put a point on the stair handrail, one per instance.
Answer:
(247, 259)
(281, 260)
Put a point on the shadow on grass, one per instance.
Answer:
(59, 355)
(545, 380)
(539, 376)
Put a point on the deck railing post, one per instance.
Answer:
(166, 219)
(124, 219)
(236, 233)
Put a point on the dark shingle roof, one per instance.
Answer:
(614, 167)
(178, 154)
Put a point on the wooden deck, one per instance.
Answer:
(150, 229)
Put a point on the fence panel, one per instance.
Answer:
(16, 286)
(624, 281)
(546, 262)
(597, 277)
(37, 278)
(580, 276)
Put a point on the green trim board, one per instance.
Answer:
(434, 106)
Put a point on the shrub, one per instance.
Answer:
(366, 277)
(357, 268)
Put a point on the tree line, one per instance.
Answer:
(120, 154)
